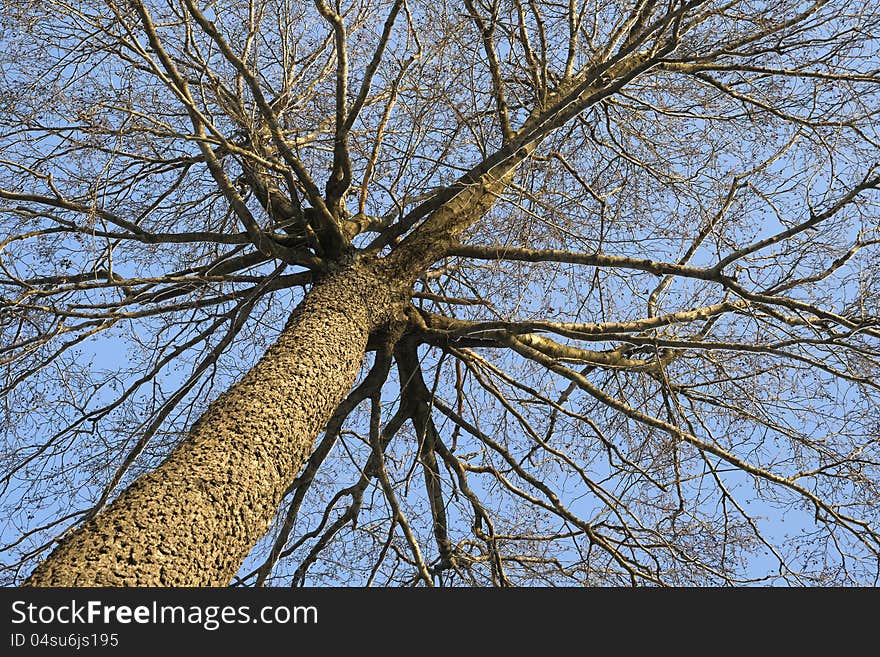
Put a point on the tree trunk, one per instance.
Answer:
(193, 520)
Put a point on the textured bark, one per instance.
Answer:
(193, 520)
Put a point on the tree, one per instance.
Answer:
(497, 292)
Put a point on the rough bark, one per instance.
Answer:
(193, 520)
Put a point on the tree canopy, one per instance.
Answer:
(638, 241)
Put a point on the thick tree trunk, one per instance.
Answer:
(193, 520)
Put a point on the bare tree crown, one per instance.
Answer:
(632, 248)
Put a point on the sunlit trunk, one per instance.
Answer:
(193, 520)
